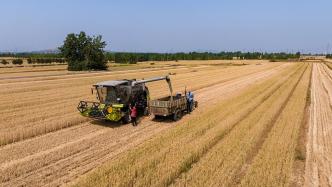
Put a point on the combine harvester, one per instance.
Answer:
(116, 96)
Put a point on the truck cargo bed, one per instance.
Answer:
(165, 107)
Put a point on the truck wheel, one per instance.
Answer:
(196, 104)
(146, 111)
(177, 115)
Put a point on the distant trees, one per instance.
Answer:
(45, 60)
(140, 57)
(83, 52)
(29, 60)
(32, 55)
(298, 55)
(329, 56)
(17, 61)
(4, 62)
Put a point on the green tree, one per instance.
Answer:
(84, 52)
(17, 61)
(29, 60)
(4, 62)
(298, 55)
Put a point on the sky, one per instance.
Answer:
(170, 26)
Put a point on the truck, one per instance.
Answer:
(173, 106)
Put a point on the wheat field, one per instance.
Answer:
(258, 123)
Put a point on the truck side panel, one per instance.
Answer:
(164, 107)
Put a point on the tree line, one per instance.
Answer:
(329, 56)
(119, 57)
(17, 61)
(45, 60)
(84, 52)
(133, 58)
(32, 55)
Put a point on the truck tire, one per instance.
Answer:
(196, 104)
(177, 115)
(146, 111)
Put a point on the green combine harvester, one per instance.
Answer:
(115, 98)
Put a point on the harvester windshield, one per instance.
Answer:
(110, 94)
(106, 94)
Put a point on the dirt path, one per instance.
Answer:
(61, 157)
(318, 170)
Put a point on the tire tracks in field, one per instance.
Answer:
(199, 136)
(95, 150)
(297, 178)
(181, 72)
(267, 95)
(76, 122)
(50, 78)
(33, 71)
(318, 170)
(240, 173)
(207, 90)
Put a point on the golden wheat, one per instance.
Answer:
(225, 162)
(33, 107)
(273, 164)
(163, 159)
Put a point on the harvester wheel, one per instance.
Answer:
(196, 104)
(177, 115)
(126, 119)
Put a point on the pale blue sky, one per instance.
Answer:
(170, 26)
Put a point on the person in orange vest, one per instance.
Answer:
(133, 115)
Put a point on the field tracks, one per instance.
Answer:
(298, 176)
(214, 164)
(198, 140)
(273, 165)
(47, 122)
(241, 172)
(64, 155)
(318, 170)
(249, 112)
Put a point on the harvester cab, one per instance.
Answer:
(115, 97)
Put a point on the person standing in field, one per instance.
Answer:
(190, 102)
(133, 115)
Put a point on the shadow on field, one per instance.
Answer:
(109, 124)
(162, 119)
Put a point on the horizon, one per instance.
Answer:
(55, 51)
(171, 27)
